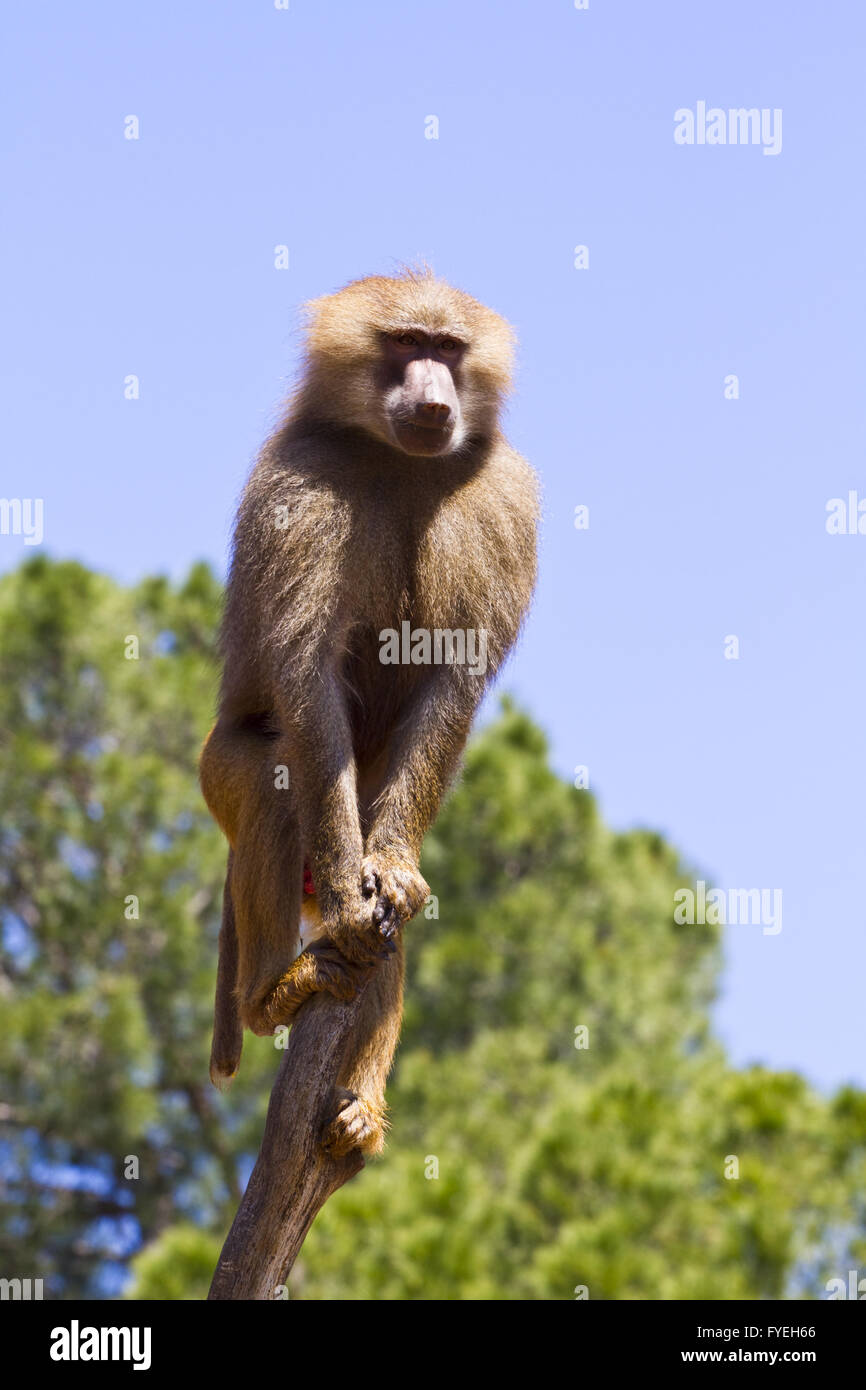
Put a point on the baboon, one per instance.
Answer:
(387, 500)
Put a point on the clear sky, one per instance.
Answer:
(306, 127)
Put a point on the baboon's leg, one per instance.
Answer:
(258, 814)
(360, 1121)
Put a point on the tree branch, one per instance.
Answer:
(293, 1176)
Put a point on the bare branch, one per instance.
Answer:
(293, 1176)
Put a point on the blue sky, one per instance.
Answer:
(261, 127)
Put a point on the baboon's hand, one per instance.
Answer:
(391, 881)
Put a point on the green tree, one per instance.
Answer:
(562, 1115)
(109, 876)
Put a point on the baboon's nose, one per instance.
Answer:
(434, 413)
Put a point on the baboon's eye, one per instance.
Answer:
(408, 340)
(449, 345)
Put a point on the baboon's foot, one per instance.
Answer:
(320, 967)
(358, 1124)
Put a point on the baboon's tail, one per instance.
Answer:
(228, 1034)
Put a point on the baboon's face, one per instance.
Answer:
(420, 397)
(418, 365)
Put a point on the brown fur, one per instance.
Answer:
(342, 533)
